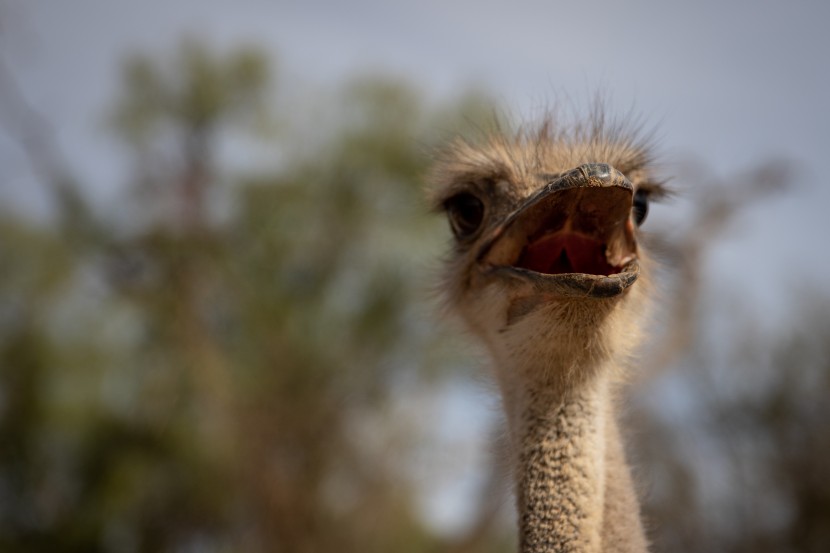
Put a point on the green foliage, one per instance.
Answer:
(198, 91)
(174, 380)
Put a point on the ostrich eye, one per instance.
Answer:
(640, 207)
(466, 213)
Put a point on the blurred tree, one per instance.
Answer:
(741, 465)
(731, 428)
(212, 367)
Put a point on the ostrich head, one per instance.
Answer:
(547, 266)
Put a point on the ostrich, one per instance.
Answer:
(546, 270)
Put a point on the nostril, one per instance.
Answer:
(602, 174)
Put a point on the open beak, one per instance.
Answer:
(574, 237)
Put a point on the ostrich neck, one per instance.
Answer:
(573, 488)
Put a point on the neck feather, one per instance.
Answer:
(560, 469)
(557, 367)
(573, 487)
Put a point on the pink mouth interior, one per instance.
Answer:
(566, 252)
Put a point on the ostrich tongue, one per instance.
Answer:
(566, 252)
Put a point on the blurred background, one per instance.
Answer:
(218, 325)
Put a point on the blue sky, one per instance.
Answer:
(731, 82)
